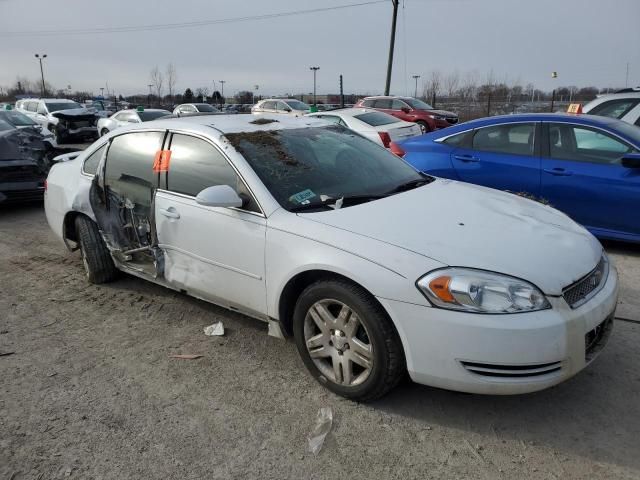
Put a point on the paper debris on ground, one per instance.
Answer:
(217, 329)
(185, 356)
(320, 430)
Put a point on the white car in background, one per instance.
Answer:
(193, 108)
(624, 106)
(66, 119)
(281, 106)
(375, 268)
(382, 128)
(127, 117)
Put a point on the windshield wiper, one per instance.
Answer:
(411, 184)
(337, 203)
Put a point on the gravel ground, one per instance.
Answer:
(90, 392)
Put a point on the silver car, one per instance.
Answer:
(194, 108)
(127, 117)
(282, 106)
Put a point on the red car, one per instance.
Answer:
(411, 109)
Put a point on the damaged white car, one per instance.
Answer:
(66, 119)
(374, 268)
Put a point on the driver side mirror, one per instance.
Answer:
(631, 160)
(405, 109)
(286, 109)
(222, 196)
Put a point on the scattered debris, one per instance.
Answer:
(474, 451)
(263, 121)
(6, 354)
(320, 430)
(185, 356)
(217, 329)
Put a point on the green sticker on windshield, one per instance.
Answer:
(302, 196)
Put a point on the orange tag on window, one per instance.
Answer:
(161, 162)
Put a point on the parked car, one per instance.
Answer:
(375, 268)
(585, 166)
(624, 106)
(282, 106)
(191, 108)
(127, 117)
(20, 120)
(23, 166)
(384, 129)
(411, 110)
(65, 118)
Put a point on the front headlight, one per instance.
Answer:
(480, 291)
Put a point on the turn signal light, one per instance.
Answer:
(440, 287)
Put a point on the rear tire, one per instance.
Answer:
(354, 350)
(97, 261)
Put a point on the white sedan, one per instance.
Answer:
(374, 268)
(380, 127)
(127, 117)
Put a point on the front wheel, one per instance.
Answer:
(103, 132)
(423, 126)
(347, 341)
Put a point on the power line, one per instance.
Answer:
(169, 26)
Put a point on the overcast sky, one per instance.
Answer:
(588, 42)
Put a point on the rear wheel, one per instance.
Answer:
(347, 341)
(96, 259)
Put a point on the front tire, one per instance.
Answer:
(423, 126)
(103, 132)
(97, 261)
(347, 341)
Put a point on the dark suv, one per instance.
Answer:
(411, 109)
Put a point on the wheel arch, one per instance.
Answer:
(69, 232)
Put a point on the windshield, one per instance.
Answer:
(16, 118)
(297, 105)
(56, 107)
(375, 119)
(205, 107)
(306, 165)
(417, 104)
(147, 116)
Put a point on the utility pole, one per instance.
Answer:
(222, 82)
(42, 71)
(626, 81)
(416, 77)
(392, 43)
(553, 94)
(341, 93)
(102, 92)
(314, 69)
(149, 102)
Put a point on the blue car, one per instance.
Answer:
(583, 165)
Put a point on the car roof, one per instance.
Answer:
(145, 110)
(612, 96)
(349, 112)
(216, 124)
(400, 97)
(532, 117)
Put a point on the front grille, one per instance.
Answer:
(596, 339)
(80, 124)
(579, 292)
(512, 371)
(19, 174)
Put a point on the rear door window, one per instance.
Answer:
(129, 170)
(514, 139)
(268, 106)
(375, 119)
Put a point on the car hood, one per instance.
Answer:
(74, 113)
(444, 113)
(471, 226)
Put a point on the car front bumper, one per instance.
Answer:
(504, 354)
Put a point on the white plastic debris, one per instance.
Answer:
(320, 430)
(217, 329)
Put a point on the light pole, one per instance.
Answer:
(41, 70)
(149, 102)
(222, 82)
(416, 77)
(314, 69)
(102, 92)
(553, 94)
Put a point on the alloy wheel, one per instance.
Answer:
(338, 342)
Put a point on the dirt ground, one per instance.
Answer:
(90, 392)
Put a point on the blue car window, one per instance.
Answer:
(582, 144)
(514, 138)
